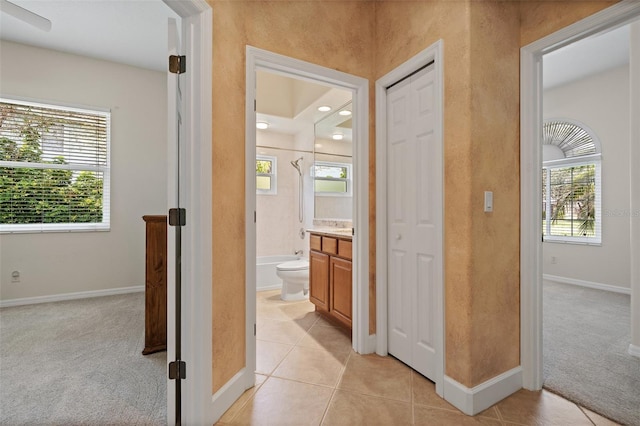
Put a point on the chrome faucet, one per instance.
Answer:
(299, 252)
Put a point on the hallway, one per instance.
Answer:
(307, 374)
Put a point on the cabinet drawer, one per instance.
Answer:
(330, 245)
(315, 242)
(344, 249)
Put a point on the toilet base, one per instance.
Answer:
(293, 292)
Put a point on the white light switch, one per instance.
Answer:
(488, 201)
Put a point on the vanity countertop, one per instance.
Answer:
(344, 233)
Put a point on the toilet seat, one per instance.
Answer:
(293, 265)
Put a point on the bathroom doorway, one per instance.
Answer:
(279, 164)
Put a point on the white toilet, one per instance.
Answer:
(295, 279)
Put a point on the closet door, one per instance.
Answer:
(414, 227)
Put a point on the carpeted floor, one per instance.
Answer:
(586, 358)
(80, 362)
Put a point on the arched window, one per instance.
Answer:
(571, 183)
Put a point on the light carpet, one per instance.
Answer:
(80, 363)
(586, 358)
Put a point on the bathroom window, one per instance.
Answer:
(266, 177)
(332, 178)
(571, 184)
(54, 168)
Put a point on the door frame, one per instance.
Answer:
(530, 177)
(432, 53)
(198, 406)
(259, 59)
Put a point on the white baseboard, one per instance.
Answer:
(70, 296)
(229, 393)
(634, 350)
(589, 284)
(371, 344)
(479, 398)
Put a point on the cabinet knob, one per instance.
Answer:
(398, 237)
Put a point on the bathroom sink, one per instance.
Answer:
(343, 232)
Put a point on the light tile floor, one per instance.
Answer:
(307, 374)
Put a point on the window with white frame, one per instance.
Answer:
(54, 168)
(332, 178)
(266, 175)
(571, 183)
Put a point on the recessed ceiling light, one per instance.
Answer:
(262, 125)
(337, 137)
(345, 112)
(324, 108)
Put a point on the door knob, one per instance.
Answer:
(398, 237)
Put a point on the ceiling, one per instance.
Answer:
(133, 32)
(586, 57)
(290, 106)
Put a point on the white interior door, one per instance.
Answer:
(175, 154)
(414, 229)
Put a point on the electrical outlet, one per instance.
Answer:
(15, 276)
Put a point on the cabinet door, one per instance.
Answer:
(319, 279)
(340, 290)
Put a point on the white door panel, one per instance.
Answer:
(414, 221)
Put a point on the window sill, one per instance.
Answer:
(53, 228)
(573, 242)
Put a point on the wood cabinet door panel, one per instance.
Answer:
(319, 279)
(329, 245)
(315, 242)
(340, 290)
(155, 322)
(344, 249)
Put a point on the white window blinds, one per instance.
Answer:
(54, 168)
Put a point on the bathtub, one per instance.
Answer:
(266, 278)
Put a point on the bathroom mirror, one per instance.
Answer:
(332, 169)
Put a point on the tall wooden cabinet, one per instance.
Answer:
(155, 289)
(330, 277)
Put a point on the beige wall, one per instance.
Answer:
(369, 39)
(67, 262)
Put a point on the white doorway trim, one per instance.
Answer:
(258, 59)
(432, 53)
(197, 403)
(530, 177)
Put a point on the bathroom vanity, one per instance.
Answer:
(330, 276)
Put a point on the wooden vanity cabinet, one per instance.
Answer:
(330, 277)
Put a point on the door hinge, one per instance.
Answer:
(255, 105)
(255, 217)
(177, 370)
(177, 217)
(177, 64)
(254, 329)
(353, 232)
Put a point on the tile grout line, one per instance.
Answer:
(335, 388)
(585, 414)
(500, 417)
(256, 388)
(413, 410)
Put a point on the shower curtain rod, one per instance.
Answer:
(284, 149)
